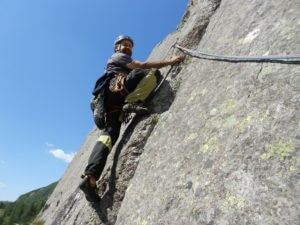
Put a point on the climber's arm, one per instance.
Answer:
(154, 64)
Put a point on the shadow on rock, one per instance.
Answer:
(113, 185)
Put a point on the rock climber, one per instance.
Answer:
(131, 83)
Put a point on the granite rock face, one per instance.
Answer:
(223, 146)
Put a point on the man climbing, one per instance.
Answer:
(131, 82)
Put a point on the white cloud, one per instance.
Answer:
(49, 145)
(60, 154)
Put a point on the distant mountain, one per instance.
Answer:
(37, 195)
(26, 207)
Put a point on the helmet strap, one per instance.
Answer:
(119, 49)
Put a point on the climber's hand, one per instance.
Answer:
(177, 59)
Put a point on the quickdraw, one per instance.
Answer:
(119, 84)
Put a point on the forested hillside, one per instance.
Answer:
(26, 207)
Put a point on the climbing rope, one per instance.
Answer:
(211, 56)
(167, 73)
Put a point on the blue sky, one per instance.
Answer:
(51, 53)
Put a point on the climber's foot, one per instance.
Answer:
(90, 191)
(135, 108)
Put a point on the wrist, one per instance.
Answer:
(167, 63)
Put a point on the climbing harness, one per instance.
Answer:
(211, 56)
(119, 84)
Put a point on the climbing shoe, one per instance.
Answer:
(134, 108)
(90, 191)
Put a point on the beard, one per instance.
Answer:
(126, 51)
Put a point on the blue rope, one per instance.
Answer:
(238, 58)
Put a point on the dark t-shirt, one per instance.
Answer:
(118, 62)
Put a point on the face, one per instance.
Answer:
(125, 47)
